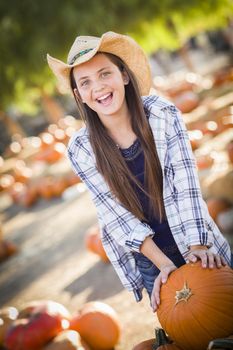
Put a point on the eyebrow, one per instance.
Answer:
(100, 70)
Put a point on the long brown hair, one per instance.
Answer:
(109, 160)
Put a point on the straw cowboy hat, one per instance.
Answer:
(85, 47)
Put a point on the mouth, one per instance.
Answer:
(106, 99)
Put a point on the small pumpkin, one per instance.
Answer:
(45, 187)
(37, 323)
(196, 305)
(59, 186)
(160, 342)
(186, 101)
(66, 340)
(217, 206)
(98, 324)
(94, 244)
(145, 345)
(171, 346)
(204, 161)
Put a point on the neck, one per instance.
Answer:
(119, 127)
(118, 121)
(121, 131)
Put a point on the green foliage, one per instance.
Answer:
(31, 28)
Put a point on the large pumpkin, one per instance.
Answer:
(196, 305)
(98, 324)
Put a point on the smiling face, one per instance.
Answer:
(101, 85)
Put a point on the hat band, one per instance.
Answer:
(81, 53)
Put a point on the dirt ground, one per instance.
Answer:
(52, 263)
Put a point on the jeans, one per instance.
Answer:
(148, 271)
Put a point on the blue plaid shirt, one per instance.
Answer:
(187, 213)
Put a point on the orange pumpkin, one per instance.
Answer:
(186, 101)
(196, 305)
(204, 161)
(94, 244)
(171, 346)
(160, 342)
(25, 195)
(98, 324)
(59, 186)
(45, 187)
(216, 206)
(66, 340)
(72, 179)
(145, 345)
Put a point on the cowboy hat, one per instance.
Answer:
(85, 47)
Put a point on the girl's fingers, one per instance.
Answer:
(218, 261)
(211, 259)
(192, 258)
(204, 259)
(224, 263)
(155, 299)
(208, 259)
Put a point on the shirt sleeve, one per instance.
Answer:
(191, 205)
(124, 227)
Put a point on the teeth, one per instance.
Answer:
(103, 97)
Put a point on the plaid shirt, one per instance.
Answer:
(187, 214)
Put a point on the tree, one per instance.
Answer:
(29, 29)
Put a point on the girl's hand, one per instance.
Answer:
(165, 271)
(208, 258)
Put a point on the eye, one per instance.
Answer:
(84, 83)
(105, 74)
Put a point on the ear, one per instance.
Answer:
(125, 77)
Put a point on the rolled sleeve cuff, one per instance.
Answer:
(203, 239)
(139, 234)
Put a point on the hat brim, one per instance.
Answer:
(120, 45)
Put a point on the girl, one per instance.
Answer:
(135, 158)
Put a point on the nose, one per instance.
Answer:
(97, 86)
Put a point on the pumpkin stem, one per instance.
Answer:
(160, 338)
(183, 294)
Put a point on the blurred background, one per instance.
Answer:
(45, 212)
